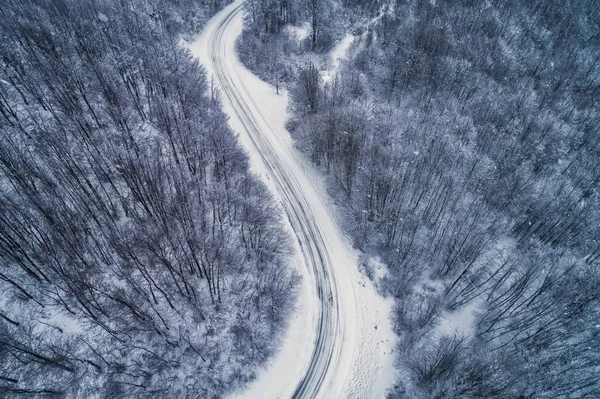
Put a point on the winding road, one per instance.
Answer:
(330, 362)
(316, 252)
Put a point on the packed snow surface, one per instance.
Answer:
(339, 342)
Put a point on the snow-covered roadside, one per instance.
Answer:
(373, 370)
(376, 340)
(364, 369)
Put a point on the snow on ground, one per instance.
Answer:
(460, 321)
(376, 339)
(340, 51)
(51, 318)
(372, 371)
(65, 322)
(366, 366)
(377, 268)
(337, 55)
(298, 32)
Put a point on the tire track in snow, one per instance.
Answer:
(315, 250)
(345, 351)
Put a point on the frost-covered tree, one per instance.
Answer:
(472, 172)
(138, 256)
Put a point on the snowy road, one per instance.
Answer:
(337, 353)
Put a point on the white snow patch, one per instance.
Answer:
(124, 221)
(460, 321)
(337, 55)
(298, 32)
(506, 245)
(66, 323)
(340, 51)
(378, 268)
(428, 285)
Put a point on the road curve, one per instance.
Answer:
(333, 344)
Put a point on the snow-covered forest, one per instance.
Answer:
(139, 258)
(461, 140)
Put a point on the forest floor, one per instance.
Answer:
(339, 342)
